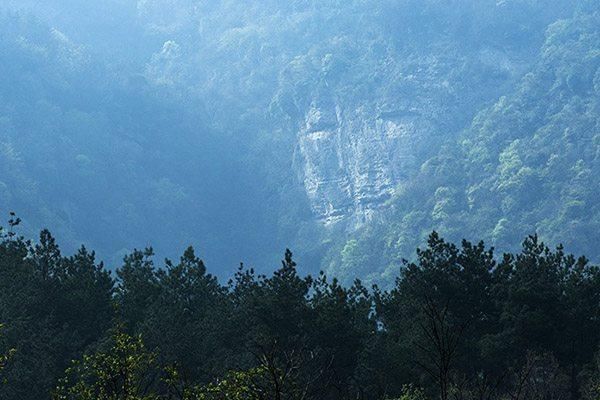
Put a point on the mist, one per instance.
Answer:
(299, 200)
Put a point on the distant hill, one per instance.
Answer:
(345, 130)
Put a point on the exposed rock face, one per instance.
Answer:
(352, 156)
(353, 159)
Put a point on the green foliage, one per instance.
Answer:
(236, 385)
(125, 371)
(527, 163)
(459, 323)
(182, 116)
(410, 392)
(175, 308)
(53, 308)
(171, 121)
(5, 357)
(591, 386)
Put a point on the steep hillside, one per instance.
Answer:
(114, 162)
(329, 127)
(528, 163)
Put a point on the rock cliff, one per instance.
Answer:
(351, 156)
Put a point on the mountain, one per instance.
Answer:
(113, 161)
(527, 163)
(346, 130)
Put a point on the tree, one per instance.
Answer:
(274, 317)
(54, 307)
(235, 385)
(183, 321)
(550, 303)
(591, 378)
(440, 308)
(5, 356)
(339, 332)
(540, 378)
(410, 392)
(125, 371)
(137, 288)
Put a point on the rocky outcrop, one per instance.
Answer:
(351, 156)
(351, 160)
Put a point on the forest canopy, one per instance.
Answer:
(423, 158)
(460, 322)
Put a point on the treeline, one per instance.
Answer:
(459, 323)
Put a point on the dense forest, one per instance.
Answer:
(347, 130)
(529, 162)
(460, 322)
(434, 164)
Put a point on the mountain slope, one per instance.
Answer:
(528, 163)
(342, 128)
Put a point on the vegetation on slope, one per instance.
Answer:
(182, 118)
(530, 162)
